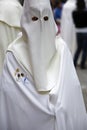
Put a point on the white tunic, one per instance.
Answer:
(22, 107)
(10, 13)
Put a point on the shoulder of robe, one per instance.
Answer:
(17, 44)
(62, 47)
(19, 48)
(10, 13)
(60, 43)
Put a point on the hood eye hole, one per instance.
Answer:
(34, 18)
(22, 74)
(18, 75)
(46, 18)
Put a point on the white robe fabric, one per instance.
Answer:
(67, 25)
(10, 13)
(22, 107)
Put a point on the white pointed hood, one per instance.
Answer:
(38, 28)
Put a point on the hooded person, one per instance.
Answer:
(39, 89)
(66, 22)
(10, 13)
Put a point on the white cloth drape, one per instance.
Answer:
(22, 107)
(10, 13)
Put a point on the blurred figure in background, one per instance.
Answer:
(57, 13)
(52, 3)
(67, 26)
(80, 21)
(10, 13)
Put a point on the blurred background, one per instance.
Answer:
(62, 11)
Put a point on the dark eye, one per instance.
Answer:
(46, 18)
(34, 18)
(22, 74)
(18, 75)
